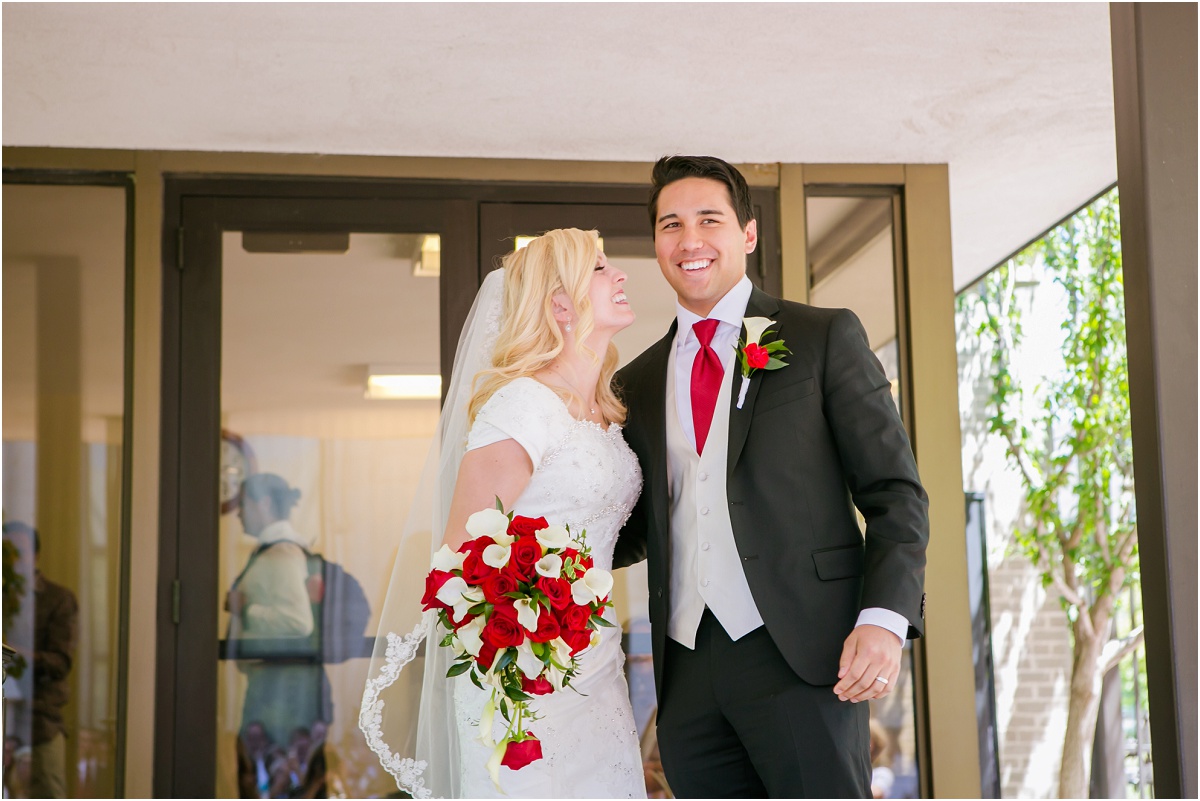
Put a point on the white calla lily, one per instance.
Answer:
(452, 591)
(528, 662)
(755, 326)
(528, 613)
(469, 598)
(486, 717)
(549, 566)
(556, 677)
(599, 581)
(471, 636)
(562, 651)
(553, 537)
(496, 555)
(490, 523)
(582, 594)
(447, 560)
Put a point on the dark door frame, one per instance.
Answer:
(196, 212)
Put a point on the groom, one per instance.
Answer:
(773, 618)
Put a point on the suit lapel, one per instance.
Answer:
(761, 305)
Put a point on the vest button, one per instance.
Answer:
(704, 510)
(704, 583)
(704, 546)
(703, 476)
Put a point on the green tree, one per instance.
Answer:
(1068, 435)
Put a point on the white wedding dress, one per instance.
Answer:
(586, 477)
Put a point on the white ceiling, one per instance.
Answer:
(1016, 98)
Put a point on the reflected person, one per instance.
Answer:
(272, 622)
(55, 636)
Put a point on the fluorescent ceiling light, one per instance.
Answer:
(522, 241)
(384, 385)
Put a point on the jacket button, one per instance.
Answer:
(659, 592)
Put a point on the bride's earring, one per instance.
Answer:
(568, 325)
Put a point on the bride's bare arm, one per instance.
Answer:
(501, 469)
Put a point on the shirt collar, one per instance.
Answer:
(730, 309)
(281, 531)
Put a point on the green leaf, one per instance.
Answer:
(499, 504)
(599, 621)
(449, 638)
(475, 680)
(506, 659)
(775, 364)
(458, 669)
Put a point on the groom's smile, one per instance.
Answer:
(701, 248)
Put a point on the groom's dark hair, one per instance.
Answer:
(670, 169)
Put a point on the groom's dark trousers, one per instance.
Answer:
(734, 716)
(812, 441)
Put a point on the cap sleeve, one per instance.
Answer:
(522, 410)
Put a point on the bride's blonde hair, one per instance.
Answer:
(561, 260)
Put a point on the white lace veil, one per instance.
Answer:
(407, 710)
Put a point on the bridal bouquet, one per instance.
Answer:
(519, 602)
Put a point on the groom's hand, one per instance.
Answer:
(869, 652)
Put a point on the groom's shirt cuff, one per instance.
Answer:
(894, 622)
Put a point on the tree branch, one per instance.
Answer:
(1116, 650)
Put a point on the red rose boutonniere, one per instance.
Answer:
(754, 356)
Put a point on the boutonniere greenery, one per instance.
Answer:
(755, 356)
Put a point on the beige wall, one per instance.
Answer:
(953, 757)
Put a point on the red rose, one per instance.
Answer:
(578, 640)
(496, 585)
(519, 754)
(539, 686)
(557, 590)
(475, 545)
(547, 628)
(487, 655)
(433, 583)
(525, 526)
(475, 570)
(576, 617)
(518, 572)
(756, 356)
(502, 629)
(525, 553)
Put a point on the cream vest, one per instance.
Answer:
(705, 567)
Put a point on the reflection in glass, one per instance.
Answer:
(316, 483)
(63, 385)
(852, 266)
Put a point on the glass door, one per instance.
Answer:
(855, 259)
(312, 344)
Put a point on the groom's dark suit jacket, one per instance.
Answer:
(813, 440)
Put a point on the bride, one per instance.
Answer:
(529, 418)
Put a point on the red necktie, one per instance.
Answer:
(706, 381)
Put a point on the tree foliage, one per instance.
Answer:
(1068, 434)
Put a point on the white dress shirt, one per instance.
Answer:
(730, 311)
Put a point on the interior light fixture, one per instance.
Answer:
(522, 241)
(397, 383)
(428, 261)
